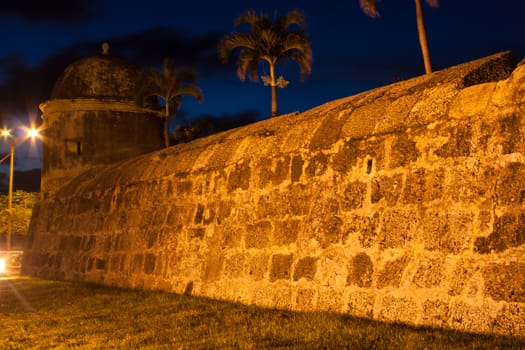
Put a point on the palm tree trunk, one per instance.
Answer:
(273, 85)
(167, 125)
(423, 37)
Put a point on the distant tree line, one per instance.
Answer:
(22, 208)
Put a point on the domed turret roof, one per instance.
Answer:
(101, 76)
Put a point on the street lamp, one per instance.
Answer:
(31, 133)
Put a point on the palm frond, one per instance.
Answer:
(369, 7)
(231, 42)
(290, 18)
(252, 18)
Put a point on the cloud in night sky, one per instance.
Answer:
(51, 10)
(22, 86)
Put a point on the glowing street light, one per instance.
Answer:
(6, 133)
(3, 268)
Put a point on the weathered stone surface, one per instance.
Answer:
(361, 270)
(423, 185)
(388, 188)
(286, 231)
(327, 134)
(354, 195)
(347, 156)
(397, 309)
(281, 267)
(508, 231)
(149, 264)
(327, 230)
(429, 273)
(258, 235)
(403, 151)
(274, 171)
(505, 282)
(306, 268)
(213, 269)
(364, 226)
(447, 232)
(296, 168)
(317, 165)
(239, 177)
(258, 265)
(436, 313)
(511, 184)
(510, 319)
(391, 273)
(305, 299)
(361, 304)
(397, 228)
(458, 144)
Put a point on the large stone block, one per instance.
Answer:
(305, 268)
(213, 267)
(304, 299)
(397, 308)
(398, 228)
(365, 227)
(239, 177)
(361, 303)
(258, 235)
(281, 267)
(231, 235)
(296, 168)
(258, 265)
(511, 131)
(346, 157)
(423, 185)
(286, 231)
(403, 151)
(436, 313)
(458, 144)
(508, 231)
(505, 282)
(326, 134)
(392, 272)
(387, 187)
(511, 184)
(274, 171)
(447, 232)
(474, 317)
(354, 195)
(149, 263)
(317, 165)
(430, 273)
(360, 271)
(470, 184)
(234, 266)
(511, 319)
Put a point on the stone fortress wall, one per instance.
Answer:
(401, 204)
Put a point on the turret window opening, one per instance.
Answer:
(74, 147)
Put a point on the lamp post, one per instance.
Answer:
(10, 193)
(32, 133)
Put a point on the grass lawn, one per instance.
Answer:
(41, 314)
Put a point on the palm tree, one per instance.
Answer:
(170, 85)
(268, 42)
(370, 8)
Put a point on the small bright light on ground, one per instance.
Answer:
(6, 132)
(2, 265)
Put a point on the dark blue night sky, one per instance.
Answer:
(352, 52)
